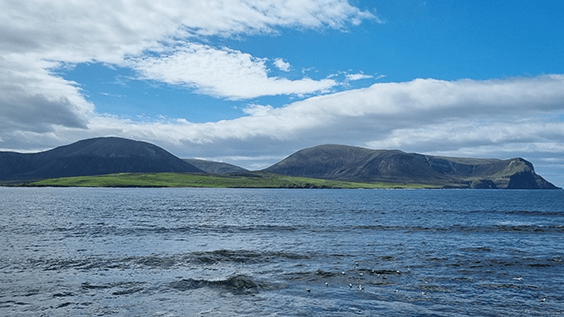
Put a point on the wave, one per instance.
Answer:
(238, 284)
(495, 228)
(159, 261)
(104, 231)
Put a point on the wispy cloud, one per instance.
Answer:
(223, 73)
(257, 110)
(73, 31)
(359, 76)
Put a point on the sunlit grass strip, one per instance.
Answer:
(258, 180)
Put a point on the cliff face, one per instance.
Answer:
(520, 174)
(359, 164)
(91, 157)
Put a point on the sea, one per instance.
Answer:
(280, 252)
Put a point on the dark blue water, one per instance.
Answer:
(254, 252)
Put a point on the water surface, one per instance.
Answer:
(279, 252)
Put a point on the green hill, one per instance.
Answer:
(348, 163)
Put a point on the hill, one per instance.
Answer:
(348, 163)
(215, 167)
(113, 155)
(91, 157)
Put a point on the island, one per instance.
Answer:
(120, 162)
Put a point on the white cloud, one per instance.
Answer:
(423, 113)
(464, 137)
(32, 99)
(223, 73)
(74, 31)
(38, 36)
(282, 65)
(257, 110)
(359, 76)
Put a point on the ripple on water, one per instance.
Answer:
(86, 252)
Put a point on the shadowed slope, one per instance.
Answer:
(215, 167)
(92, 157)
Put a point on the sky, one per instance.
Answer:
(250, 82)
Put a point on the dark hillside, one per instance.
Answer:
(215, 167)
(339, 162)
(12, 163)
(333, 162)
(92, 157)
(353, 163)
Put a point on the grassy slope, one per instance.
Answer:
(247, 180)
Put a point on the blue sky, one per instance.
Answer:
(250, 82)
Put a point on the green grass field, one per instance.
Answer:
(247, 180)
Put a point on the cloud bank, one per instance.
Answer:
(422, 115)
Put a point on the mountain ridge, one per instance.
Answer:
(94, 156)
(343, 162)
(110, 155)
